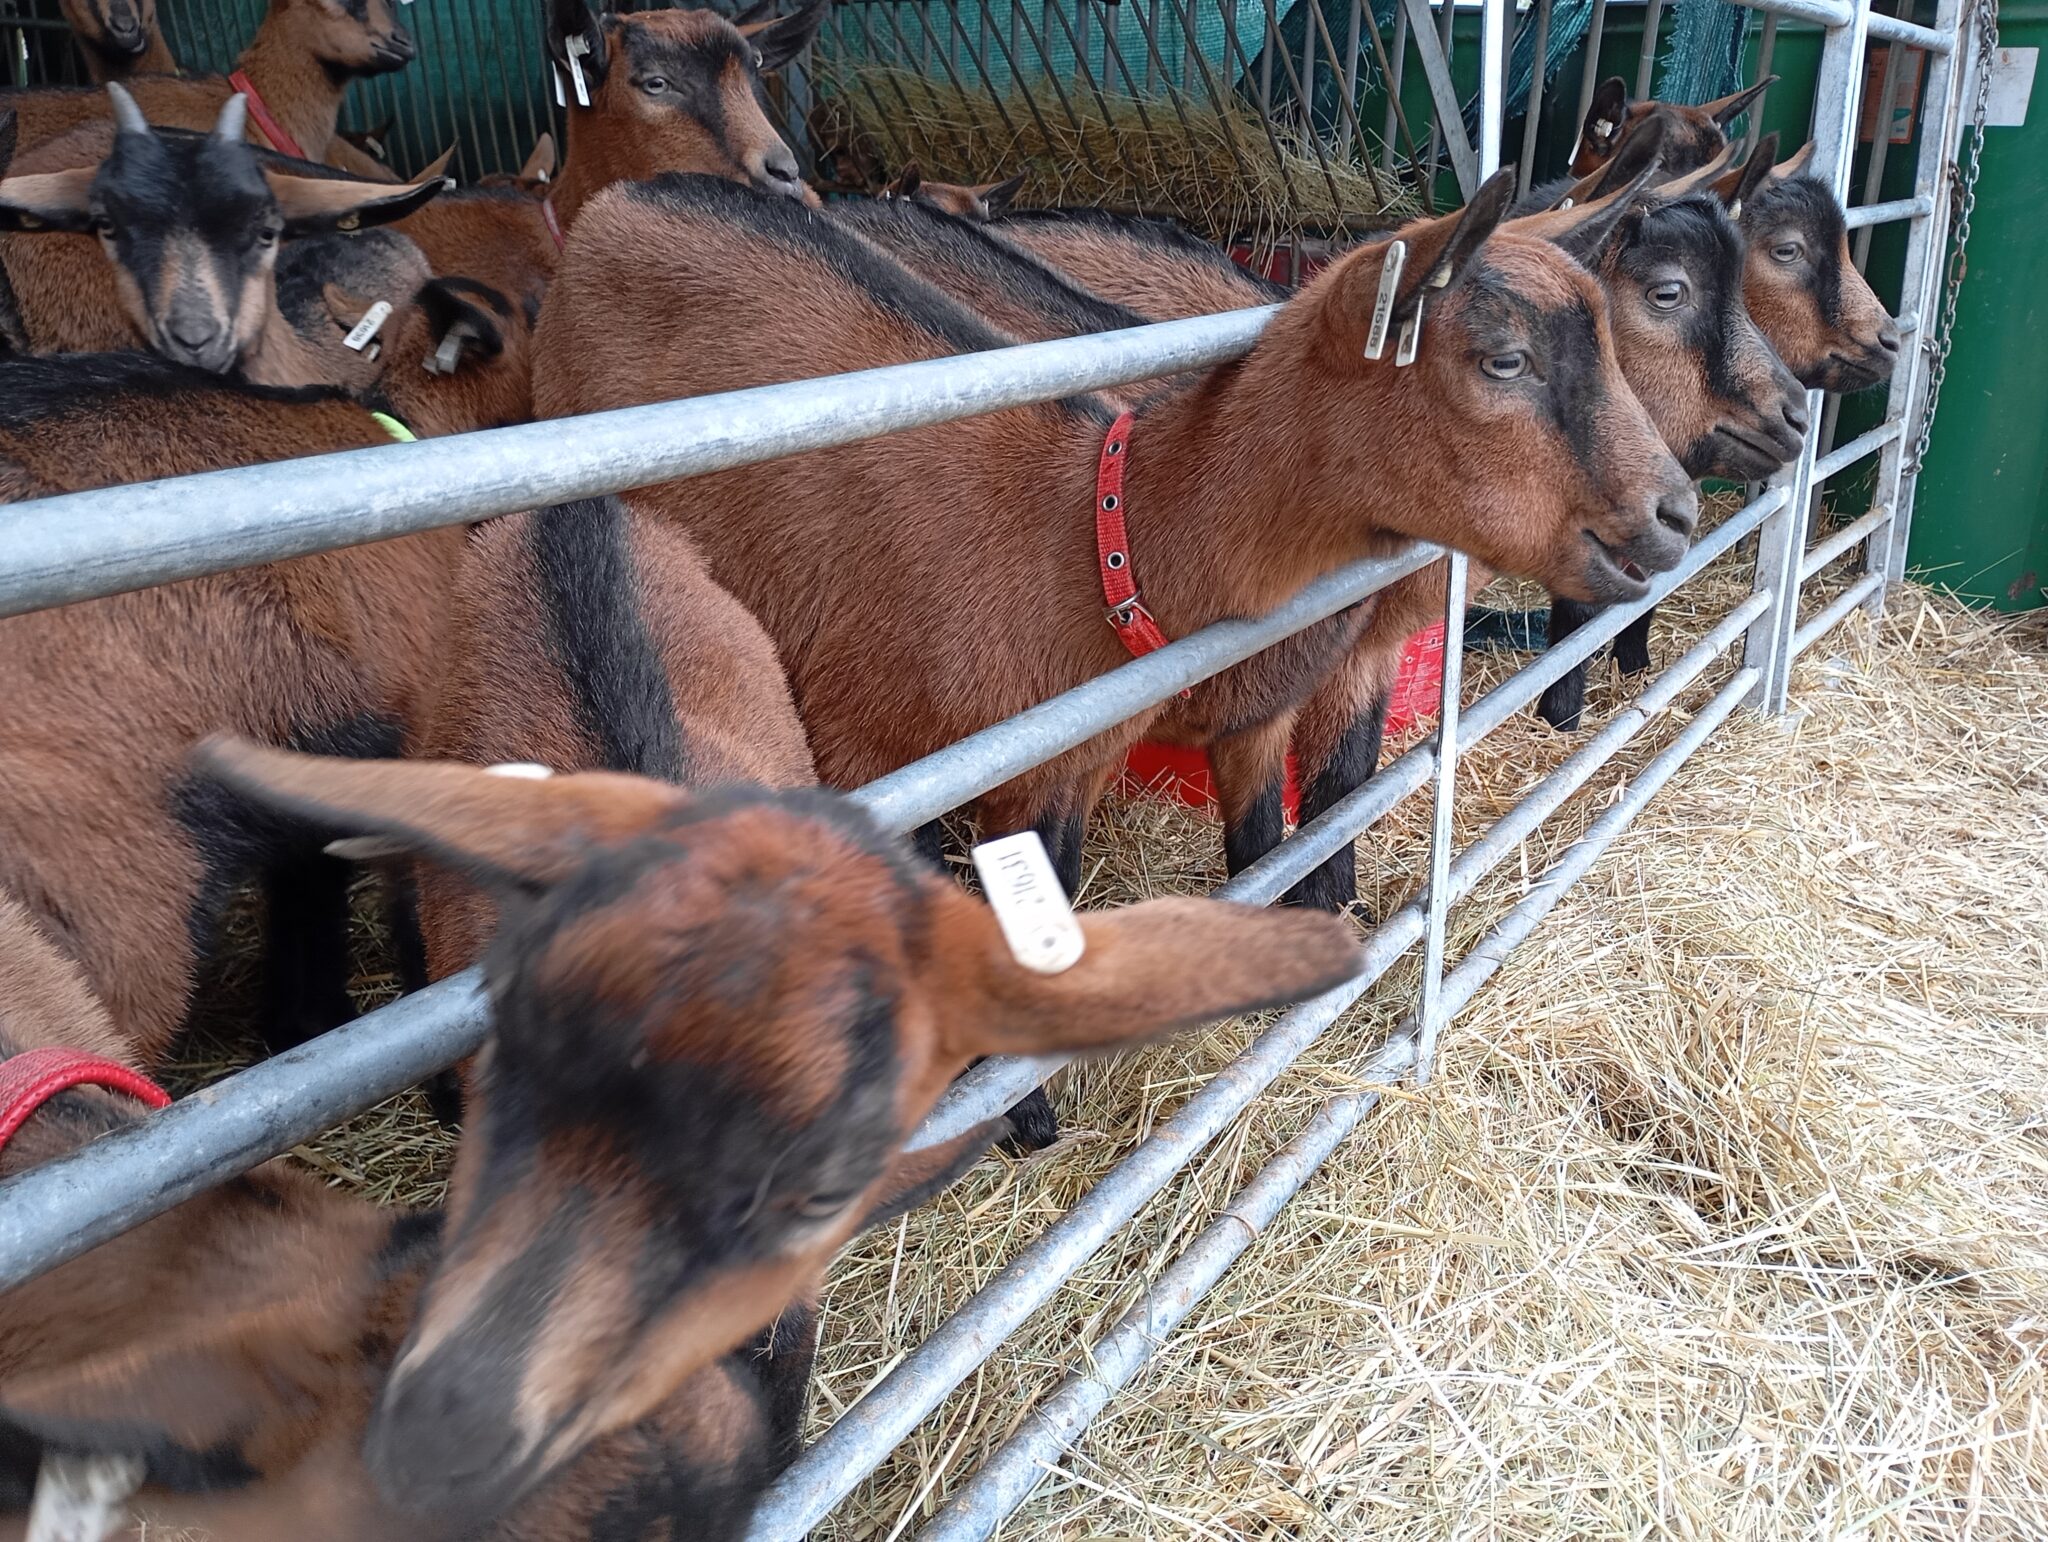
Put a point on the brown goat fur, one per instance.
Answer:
(888, 571)
(103, 840)
(718, 1016)
(1149, 265)
(673, 91)
(303, 58)
(238, 1344)
(118, 39)
(495, 234)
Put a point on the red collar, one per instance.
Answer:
(33, 1077)
(547, 212)
(1128, 617)
(260, 111)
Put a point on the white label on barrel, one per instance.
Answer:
(1030, 906)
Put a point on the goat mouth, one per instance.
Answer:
(1616, 575)
(1749, 454)
(1849, 373)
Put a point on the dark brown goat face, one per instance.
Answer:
(192, 223)
(717, 1018)
(680, 91)
(117, 29)
(1802, 286)
(1716, 392)
(1529, 449)
(350, 37)
(1693, 136)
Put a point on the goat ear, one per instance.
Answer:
(9, 136)
(1440, 250)
(1636, 159)
(540, 162)
(913, 1177)
(1796, 166)
(465, 319)
(755, 15)
(1144, 971)
(49, 200)
(1586, 230)
(1604, 118)
(997, 196)
(574, 18)
(319, 205)
(509, 831)
(1724, 110)
(784, 38)
(1735, 188)
(907, 182)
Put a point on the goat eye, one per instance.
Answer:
(103, 227)
(1505, 366)
(1787, 251)
(823, 1207)
(267, 236)
(654, 85)
(1667, 297)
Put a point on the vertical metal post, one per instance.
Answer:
(1446, 46)
(1589, 75)
(1430, 1010)
(1529, 123)
(1941, 119)
(1646, 66)
(1766, 46)
(1781, 543)
(1399, 67)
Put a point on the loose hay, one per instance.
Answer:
(1723, 1217)
(1222, 171)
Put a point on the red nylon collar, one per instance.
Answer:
(1128, 617)
(33, 1077)
(260, 111)
(547, 212)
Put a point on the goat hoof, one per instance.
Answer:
(1033, 1124)
(1324, 889)
(1562, 710)
(444, 1099)
(1631, 661)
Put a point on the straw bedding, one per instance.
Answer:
(1726, 1215)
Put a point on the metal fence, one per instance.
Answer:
(82, 545)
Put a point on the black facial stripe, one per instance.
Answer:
(1567, 345)
(1695, 234)
(695, 73)
(611, 667)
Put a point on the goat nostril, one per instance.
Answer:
(1797, 419)
(192, 333)
(1888, 339)
(1679, 512)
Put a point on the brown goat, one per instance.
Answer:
(238, 1344)
(1693, 136)
(717, 1018)
(118, 39)
(981, 202)
(301, 62)
(671, 91)
(105, 839)
(923, 586)
(184, 239)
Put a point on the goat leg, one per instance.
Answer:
(1563, 702)
(1632, 645)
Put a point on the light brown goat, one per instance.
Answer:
(301, 61)
(923, 586)
(717, 1018)
(118, 39)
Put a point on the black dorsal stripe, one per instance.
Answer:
(596, 633)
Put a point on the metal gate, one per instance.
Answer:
(83, 545)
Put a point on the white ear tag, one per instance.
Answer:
(1603, 128)
(1383, 305)
(577, 47)
(1735, 210)
(561, 97)
(522, 770)
(82, 1498)
(1030, 906)
(1411, 337)
(374, 318)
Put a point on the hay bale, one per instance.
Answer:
(1219, 171)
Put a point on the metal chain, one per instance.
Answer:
(1964, 176)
